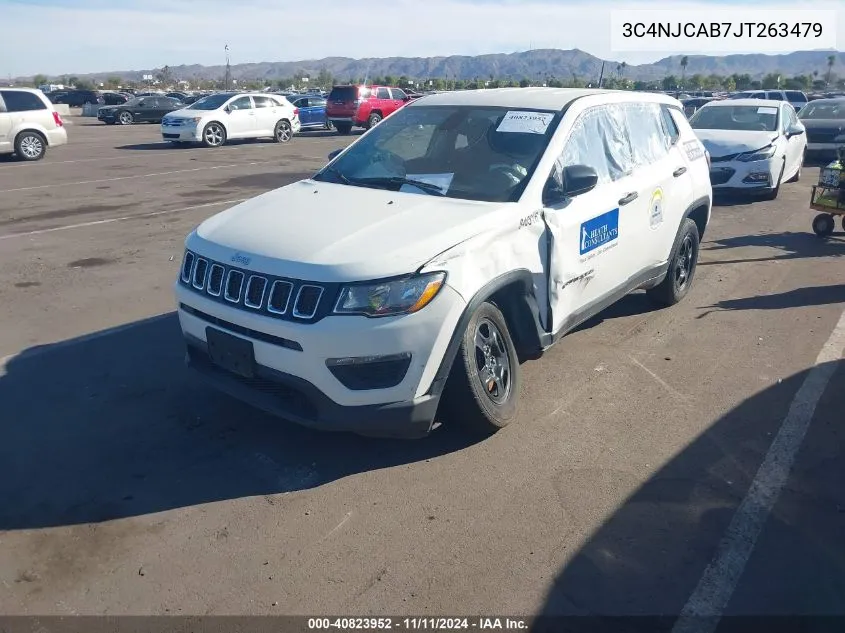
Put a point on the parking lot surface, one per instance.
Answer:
(129, 487)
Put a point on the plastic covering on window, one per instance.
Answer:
(599, 140)
(645, 129)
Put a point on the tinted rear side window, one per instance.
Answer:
(21, 101)
(344, 93)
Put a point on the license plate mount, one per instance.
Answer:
(232, 353)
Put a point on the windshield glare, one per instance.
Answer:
(467, 152)
(212, 102)
(740, 118)
(823, 111)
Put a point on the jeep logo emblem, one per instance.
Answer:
(237, 258)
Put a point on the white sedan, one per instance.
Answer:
(754, 145)
(220, 117)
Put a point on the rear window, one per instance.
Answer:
(344, 93)
(794, 95)
(21, 101)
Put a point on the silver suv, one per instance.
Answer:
(28, 123)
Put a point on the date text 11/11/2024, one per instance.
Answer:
(417, 624)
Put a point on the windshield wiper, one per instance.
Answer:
(339, 174)
(401, 180)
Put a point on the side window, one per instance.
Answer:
(21, 101)
(670, 126)
(262, 102)
(398, 93)
(383, 93)
(774, 96)
(598, 140)
(241, 103)
(645, 129)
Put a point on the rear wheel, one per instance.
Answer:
(374, 120)
(823, 224)
(30, 146)
(125, 118)
(329, 125)
(214, 135)
(343, 128)
(483, 389)
(682, 264)
(283, 132)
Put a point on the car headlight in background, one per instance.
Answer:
(386, 298)
(760, 154)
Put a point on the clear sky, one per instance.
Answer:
(81, 36)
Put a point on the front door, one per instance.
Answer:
(241, 119)
(795, 144)
(586, 265)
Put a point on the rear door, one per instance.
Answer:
(305, 114)
(266, 114)
(5, 128)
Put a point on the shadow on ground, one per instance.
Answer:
(788, 245)
(798, 298)
(644, 562)
(115, 426)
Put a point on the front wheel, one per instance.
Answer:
(797, 175)
(126, 118)
(773, 194)
(283, 132)
(213, 135)
(682, 264)
(483, 388)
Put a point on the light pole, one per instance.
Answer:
(228, 77)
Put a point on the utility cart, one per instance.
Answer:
(828, 197)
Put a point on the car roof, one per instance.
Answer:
(744, 102)
(537, 98)
(837, 100)
(34, 90)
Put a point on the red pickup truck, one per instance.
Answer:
(362, 106)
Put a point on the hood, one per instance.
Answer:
(184, 113)
(726, 142)
(328, 232)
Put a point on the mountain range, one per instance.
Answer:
(541, 63)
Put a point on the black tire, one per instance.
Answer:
(824, 224)
(682, 265)
(283, 132)
(30, 146)
(797, 175)
(773, 194)
(329, 125)
(343, 128)
(475, 399)
(125, 118)
(374, 120)
(214, 134)
(843, 222)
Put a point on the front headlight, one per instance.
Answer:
(761, 154)
(386, 298)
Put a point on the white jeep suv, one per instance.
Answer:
(465, 233)
(29, 124)
(219, 117)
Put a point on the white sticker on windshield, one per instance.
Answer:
(526, 122)
(442, 181)
(767, 110)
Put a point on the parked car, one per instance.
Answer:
(227, 115)
(407, 273)
(824, 120)
(362, 106)
(138, 110)
(693, 104)
(755, 145)
(795, 98)
(179, 96)
(29, 124)
(77, 98)
(114, 98)
(312, 112)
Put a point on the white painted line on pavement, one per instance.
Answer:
(133, 177)
(707, 603)
(139, 216)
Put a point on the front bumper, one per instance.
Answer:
(291, 377)
(737, 175)
(181, 133)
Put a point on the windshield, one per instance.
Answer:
(211, 102)
(740, 118)
(823, 110)
(467, 152)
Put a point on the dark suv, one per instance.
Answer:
(77, 98)
(362, 106)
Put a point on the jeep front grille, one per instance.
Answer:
(287, 299)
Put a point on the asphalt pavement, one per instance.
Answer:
(686, 460)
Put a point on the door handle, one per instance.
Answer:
(680, 171)
(628, 198)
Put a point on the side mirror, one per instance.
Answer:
(228, 110)
(577, 179)
(334, 154)
(795, 130)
